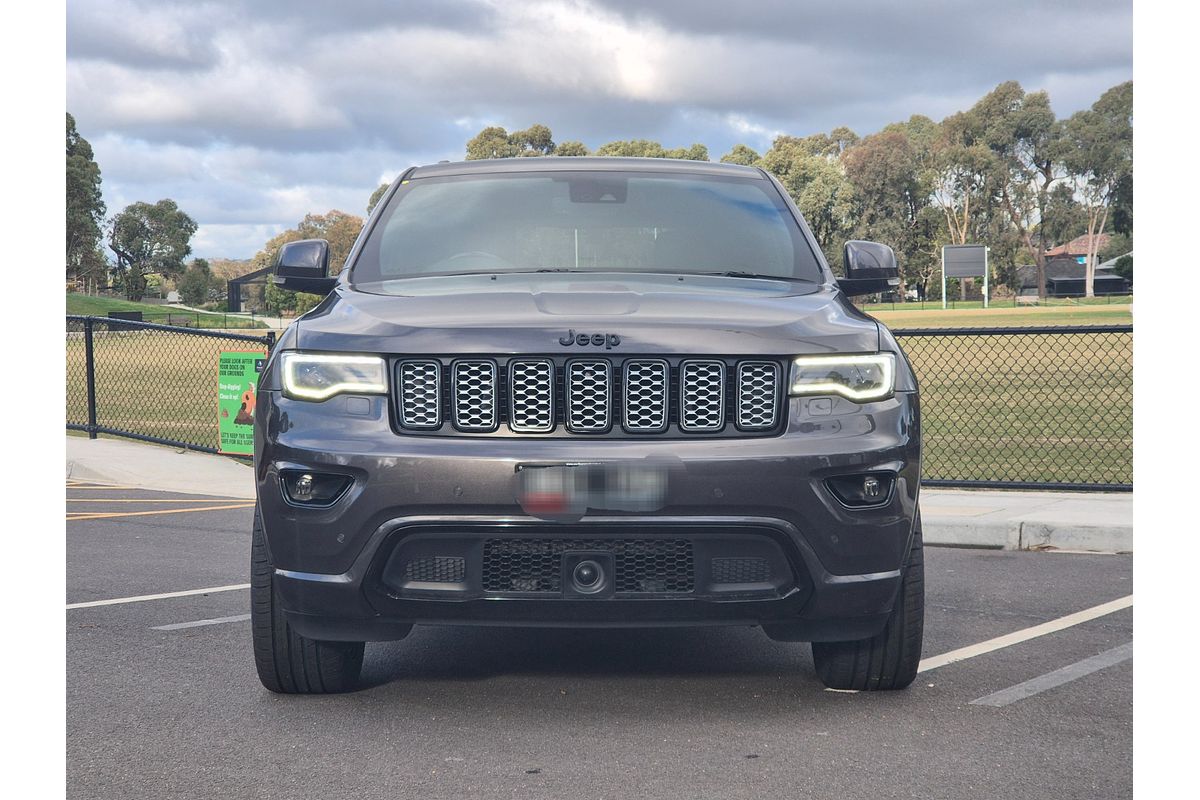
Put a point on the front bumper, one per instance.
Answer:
(833, 571)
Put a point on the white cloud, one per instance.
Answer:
(759, 134)
(251, 113)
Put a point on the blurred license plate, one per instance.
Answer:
(571, 489)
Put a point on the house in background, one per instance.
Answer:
(1077, 248)
(1066, 273)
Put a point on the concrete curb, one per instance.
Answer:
(1077, 521)
(1094, 522)
(146, 466)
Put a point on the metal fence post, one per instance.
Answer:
(89, 359)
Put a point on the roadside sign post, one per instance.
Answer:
(965, 261)
(943, 279)
(986, 272)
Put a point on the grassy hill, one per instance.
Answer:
(100, 306)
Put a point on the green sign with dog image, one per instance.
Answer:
(238, 372)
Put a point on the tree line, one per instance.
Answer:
(1006, 173)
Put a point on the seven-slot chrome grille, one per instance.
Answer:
(589, 396)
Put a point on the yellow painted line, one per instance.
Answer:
(111, 515)
(133, 500)
(1016, 637)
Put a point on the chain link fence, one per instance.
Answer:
(139, 380)
(1047, 407)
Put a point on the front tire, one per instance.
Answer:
(287, 662)
(890, 659)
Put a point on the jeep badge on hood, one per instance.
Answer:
(609, 340)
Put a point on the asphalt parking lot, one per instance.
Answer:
(162, 699)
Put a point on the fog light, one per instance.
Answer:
(302, 490)
(861, 490)
(313, 488)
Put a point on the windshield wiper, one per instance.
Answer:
(739, 273)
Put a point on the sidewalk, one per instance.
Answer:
(952, 517)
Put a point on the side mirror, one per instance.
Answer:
(870, 268)
(303, 266)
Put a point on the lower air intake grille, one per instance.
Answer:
(436, 569)
(740, 570)
(535, 565)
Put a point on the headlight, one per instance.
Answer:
(855, 377)
(313, 376)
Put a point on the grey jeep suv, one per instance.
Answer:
(591, 393)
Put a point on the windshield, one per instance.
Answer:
(585, 222)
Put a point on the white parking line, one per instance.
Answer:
(142, 598)
(1016, 637)
(201, 622)
(1058, 677)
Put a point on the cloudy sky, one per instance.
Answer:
(252, 113)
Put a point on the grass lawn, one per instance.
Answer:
(912, 316)
(100, 306)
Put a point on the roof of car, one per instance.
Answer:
(584, 163)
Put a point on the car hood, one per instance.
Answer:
(534, 313)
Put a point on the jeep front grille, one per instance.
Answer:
(531, 396)
(475, 395)
(601, 396)
(758, 388)
(647, 396)
(702, 396)
(589, 395)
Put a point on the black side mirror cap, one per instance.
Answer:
(870, 268)
(303, 266)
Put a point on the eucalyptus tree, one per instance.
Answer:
(1026, 141)
(647, 148)
(85, 204)
(376, 196)
(571, 148)
(1098, 153)
(811, 172)
(149, 239)
(740, 154)
(959, 171)
(891, 194)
